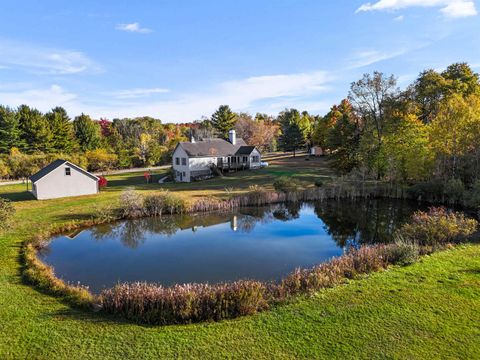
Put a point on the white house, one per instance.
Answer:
(60, 179)
(195, 160)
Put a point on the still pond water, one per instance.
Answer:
(255, 243)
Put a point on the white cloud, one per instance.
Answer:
(251, 94)
(42, 98)
(137, 93)
(450, 8)
(369, 57)
(269, 94)
(459, 9)
(399, 18)
(44, 60)
(133, 27)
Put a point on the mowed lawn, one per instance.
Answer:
(428, 310)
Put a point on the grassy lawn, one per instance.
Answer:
(430, 309)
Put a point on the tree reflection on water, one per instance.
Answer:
(347, 222)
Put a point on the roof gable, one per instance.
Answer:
(245, 150)
(56, 164)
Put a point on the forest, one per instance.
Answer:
(426, 134)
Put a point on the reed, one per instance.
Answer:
(155, 304)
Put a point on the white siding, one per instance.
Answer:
(255, 164)
(180, 169)
(57, 185)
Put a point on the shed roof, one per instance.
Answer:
(57, 163)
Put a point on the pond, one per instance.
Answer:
(263, 243)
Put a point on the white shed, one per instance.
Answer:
(60, 179)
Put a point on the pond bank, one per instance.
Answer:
(43, 276)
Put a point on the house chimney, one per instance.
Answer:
(232, 137)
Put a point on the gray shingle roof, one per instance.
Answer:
(212, 147)
(52, 166)
(245, 150)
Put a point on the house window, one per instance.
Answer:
(184, 174)
(68, 171)
(184, 161)
(255, 159)
(177, 161)
(245, 159)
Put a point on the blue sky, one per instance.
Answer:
(178, 60)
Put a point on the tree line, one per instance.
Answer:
(428, 131)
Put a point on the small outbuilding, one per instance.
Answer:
(316, 151)
(60, 179)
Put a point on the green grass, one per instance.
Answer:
(428, 310)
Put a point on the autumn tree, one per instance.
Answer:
(407, 151)
(371, 97)
(343, 137)
(428, 90)
(455, 137)
(256, 131)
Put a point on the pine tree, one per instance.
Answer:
(35, 131)
(292, 136)
(9, 131)
(223, 120)
(87, 132)
(63, 139)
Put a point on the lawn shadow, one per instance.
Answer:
(18, 196)
(98, 317)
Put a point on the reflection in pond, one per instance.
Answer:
(261, 243)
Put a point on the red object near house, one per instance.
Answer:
(102, 182)
(147, 176)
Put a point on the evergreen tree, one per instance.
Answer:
(9, 131)
(87, 132)
(63, 139)
(35, 131)
(292, 136)
(223, 120)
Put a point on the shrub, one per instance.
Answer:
(164, 203)
(402, 253)
(454, 190)
(131, 204)
(155, 304)
(286, 184)
(472, 196)
(318, 183)
(102, 182)
(173, 204)
(430, 190)
(6, 213)
(437, 227)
